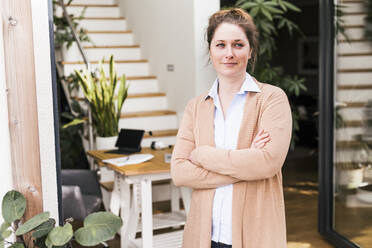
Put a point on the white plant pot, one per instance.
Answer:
(106, 143)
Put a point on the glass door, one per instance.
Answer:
(345, 196)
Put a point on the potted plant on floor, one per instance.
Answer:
(40, 230)
(105, 102)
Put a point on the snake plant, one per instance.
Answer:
(99, 92)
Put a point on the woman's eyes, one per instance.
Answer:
(239, 45)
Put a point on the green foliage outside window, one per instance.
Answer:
(269, 17)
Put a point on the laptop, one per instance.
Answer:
(128, 142)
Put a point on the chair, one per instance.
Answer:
(81, 193)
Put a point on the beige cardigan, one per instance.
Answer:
(258, 217)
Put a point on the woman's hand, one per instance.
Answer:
(260, 140)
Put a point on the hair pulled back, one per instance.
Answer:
(242, 19)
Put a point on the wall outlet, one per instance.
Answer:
(170, 67)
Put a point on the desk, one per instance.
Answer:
(138, 201)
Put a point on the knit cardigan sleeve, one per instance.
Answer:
(183, 171)
(254, 164)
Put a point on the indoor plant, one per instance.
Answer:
(99, 91)
(41, 230)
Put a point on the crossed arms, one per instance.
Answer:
(206, 167)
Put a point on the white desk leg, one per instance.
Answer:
(186, 198)
(146, 202)
(134, 213)
(125, 211)
(115, 196)
(175, 197)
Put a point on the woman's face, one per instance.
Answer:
(230, 50)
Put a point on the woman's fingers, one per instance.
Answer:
(262, 141)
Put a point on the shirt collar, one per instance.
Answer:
(249, 85)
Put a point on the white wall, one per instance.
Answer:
(205, 74)
(45, 105)
(5, 155)
(172, 32)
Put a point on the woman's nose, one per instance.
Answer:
(229, 52)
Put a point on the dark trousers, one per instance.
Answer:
(220, 245)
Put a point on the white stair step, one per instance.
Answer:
(165, 240)
(103, 25)
(131, 68)
(145, 104)
(103, 10)
(354, 95)
(354, 47)
(110, 39)
(354, 62)
(109, 2)
(97, 53)
(348, 133)
(135, 87)
(163, 122)
(143, 86)
(351, 113)
(353, 34)
(348, 155)
(354, 78)
(149, 123)
(169, 140)
(354, 19)
(353, 7)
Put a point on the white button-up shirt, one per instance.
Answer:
(226, 133)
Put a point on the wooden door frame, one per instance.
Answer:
(16, 18)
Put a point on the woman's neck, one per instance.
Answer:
(230, 85)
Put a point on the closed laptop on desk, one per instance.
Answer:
(129, 141)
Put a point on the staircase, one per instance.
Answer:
(146, 107)
(354, 81)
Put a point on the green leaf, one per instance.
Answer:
(48, 243)
(17, 245)
(98, 227)
(60, 235)
(248, 5)
(6, 234)
(274, 10)
(32, 223)
(1, 243)
(44, 228)
(4, 226)
(254, 11)
(74, 122)
(13, 206)
(280, 2)
(291, 6)
(267, 13)
(239, 2)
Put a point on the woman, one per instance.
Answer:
(231, 145)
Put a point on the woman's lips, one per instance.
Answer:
(229, 64)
